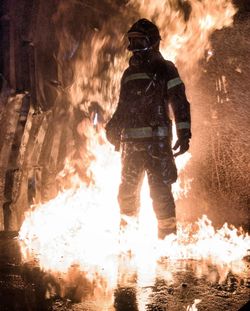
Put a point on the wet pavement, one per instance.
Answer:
(178, 285)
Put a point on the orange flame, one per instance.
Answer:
(186, 28)
(80, 227)
(63, 231)
(193, 307)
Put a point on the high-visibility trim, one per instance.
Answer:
(137, 76)
(174, 82)
(183, 125)
(145, 132)
(141, 132)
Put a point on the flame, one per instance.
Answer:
(185, 30)
(78, 231)
(80, 227)
(193, 307)
(186, 26)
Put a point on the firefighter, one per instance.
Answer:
(141, 126)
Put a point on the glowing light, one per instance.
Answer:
(81, 227)
(193, 307)
(95, 121)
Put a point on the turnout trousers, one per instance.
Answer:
(156, 159)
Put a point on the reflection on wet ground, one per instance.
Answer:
(177, 285)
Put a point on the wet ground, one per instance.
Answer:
(176, 287)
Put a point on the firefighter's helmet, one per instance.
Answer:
(143, 36)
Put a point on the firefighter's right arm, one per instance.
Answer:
(114, 125)
(113, 131)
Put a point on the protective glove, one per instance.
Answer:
(113, 136)
(182, 142)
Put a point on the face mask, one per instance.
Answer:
(137, 44)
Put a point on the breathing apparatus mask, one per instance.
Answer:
(143, 36)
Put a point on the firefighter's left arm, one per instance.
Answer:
(181, 109)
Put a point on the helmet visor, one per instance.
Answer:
(138, 42)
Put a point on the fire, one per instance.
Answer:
(187, 27)
(78, 231)
(80, 227)
(193, 307)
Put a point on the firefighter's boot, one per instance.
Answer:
(166, 227)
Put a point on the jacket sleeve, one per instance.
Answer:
(114, 125)
(177, 98)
